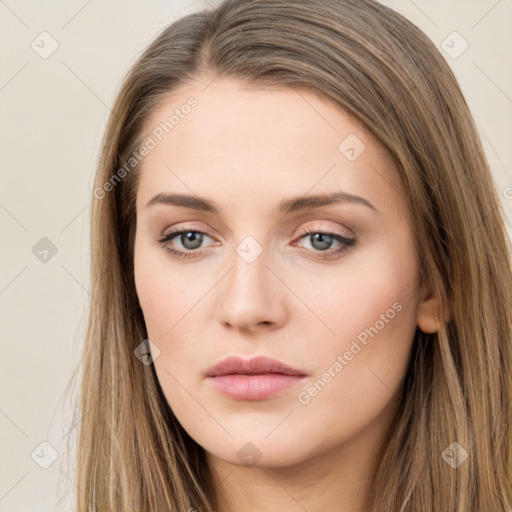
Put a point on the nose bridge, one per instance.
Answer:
(247, 285)
(251, 294)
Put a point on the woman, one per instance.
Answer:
(301, 275)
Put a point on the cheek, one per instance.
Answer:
(371, 309)
(374, 287)
(152, 293)
(164, 296)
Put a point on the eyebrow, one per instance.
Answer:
(295, 204)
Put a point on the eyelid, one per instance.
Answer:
(315, 228)
(180, 228)
(326, 229)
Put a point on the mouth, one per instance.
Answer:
(259, 378)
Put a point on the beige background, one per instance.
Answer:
(53, 113)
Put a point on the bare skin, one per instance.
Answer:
(313, 446)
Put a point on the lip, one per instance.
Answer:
(258, 378)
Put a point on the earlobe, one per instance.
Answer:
(429, 315)
(428, 322)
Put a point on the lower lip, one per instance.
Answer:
(253, 387)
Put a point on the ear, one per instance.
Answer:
(430, 317)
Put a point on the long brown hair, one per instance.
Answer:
(133, 455)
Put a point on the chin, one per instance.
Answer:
(259, 452)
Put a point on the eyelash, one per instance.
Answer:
(347, 243)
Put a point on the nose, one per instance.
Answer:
(252, 297)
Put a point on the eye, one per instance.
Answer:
(190, 239)
(321, 243)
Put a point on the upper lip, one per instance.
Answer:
(253, 366)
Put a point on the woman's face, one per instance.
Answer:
(327, 286)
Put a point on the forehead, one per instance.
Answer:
(262, 143)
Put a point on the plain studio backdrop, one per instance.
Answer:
(61, 66)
